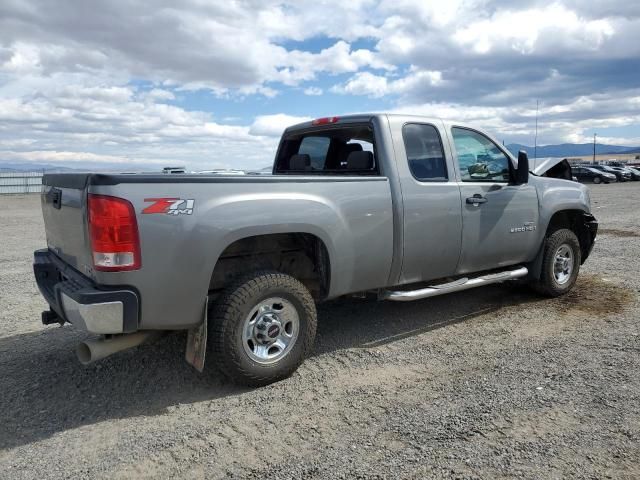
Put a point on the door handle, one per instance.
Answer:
(476, 199)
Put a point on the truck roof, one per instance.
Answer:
(365, 117)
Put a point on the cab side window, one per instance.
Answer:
(479, 159)
(424, 152)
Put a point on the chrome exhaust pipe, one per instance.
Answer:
(95, 349)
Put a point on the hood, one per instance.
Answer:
(540, 166)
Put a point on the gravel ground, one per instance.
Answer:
(493, 382)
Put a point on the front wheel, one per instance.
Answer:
(261, 329)
(560, 263)
(596, 180)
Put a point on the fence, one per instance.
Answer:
(20, 182)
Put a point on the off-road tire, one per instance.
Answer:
(547, 284)
(225, 350)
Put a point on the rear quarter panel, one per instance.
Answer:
(352, 217)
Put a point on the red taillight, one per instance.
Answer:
(113, 231)
(325, 120)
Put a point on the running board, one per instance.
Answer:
(456, 286)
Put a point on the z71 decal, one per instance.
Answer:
(170, 206)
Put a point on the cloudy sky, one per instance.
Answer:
(211, 84)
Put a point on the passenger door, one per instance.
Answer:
(499, 219)
(432, 220)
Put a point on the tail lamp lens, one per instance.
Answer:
(113, 231)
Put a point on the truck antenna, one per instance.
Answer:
(535, 140)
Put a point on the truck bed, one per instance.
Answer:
(351, 215)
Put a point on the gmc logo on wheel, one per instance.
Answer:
(169, 206)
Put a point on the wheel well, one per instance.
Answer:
(574, 221)
(301, 255)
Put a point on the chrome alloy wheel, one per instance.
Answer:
(563, 264)
(270, 330)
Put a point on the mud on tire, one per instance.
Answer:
(242, 320)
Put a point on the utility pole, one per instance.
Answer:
(535, 141)
(594, 148)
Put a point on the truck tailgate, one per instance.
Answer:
(64, 212)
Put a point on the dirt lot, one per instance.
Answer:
(494, 382)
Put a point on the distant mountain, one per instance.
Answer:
(572, 149)
(32, 167)
(7, 166)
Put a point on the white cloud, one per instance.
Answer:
(225, 47)
(160, 94)
(274, 125)
(54, 156)
(364, 83)
(22, 59)
(376, 86)
(122, 80)
(313, 91)
(556, 123)
(439, 14)
(120, 125)
(339, 58)
(529, 31)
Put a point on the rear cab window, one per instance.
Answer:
(343, 150)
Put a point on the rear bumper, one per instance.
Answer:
(76, 299)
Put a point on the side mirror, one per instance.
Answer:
(522, 173)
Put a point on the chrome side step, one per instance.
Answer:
(456, 286)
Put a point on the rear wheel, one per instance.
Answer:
(596, 180)
(560, 263)
(261, 329)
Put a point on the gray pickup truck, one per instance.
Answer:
(401, 207)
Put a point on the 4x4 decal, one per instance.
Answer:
(170, 206)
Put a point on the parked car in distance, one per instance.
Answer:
(629, 171)
(621, 176)
(635, 171)
(588, 174)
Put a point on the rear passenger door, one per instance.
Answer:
(432, 219)
(499, 219)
